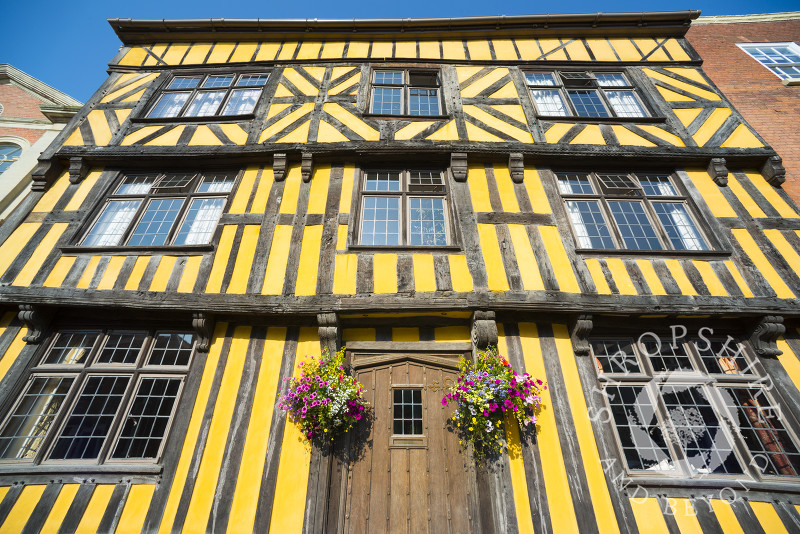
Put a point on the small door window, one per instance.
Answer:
(407, 412)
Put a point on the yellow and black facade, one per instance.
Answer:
(241, 194)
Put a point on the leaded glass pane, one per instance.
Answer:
(389, 77)
(407, 412)
(185, 82)
(380, 222)
(427, 221)
(216, 183)
(590, 226)
(423, 101)
(122, 348)
(218, 81)
(112, 223)
(200, 222)
(169, 105)
(615, 79)
(549, 102)
(653, 185)
(171, 348)
(635, 228)
(382, 181)
(680, 228)
(723, 356)
(587, 103)
(136, 184)
(146, 424)
(252, 79)
(615, 356)
(387, 100)
(205, 103)
(575, 184)
(540, 78)
(154, 227)
(242, 101)
(625, 104)
(664, 356)
(70, 348)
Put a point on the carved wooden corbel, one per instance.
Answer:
(580, 335)
(718, 170)
(203, 324)
(329, 331)
(516, 166)
(36, 320)
(766, 333)
(458, 164)
(77, 170)
(773, 171)
(484, 329)
(44, 174)
(307, 166)
(279, 166)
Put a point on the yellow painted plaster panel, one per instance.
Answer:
(116, 93)
(761, 262)
(111, 273)
(512, 110)
(132, 284)
(737, 276)
(298, 135)
(243, 53)
(60, 271)
(556, 132)
(710, 278)
(83, 190)
(650, 276)
(476, 87)
(453, 50)
(662, 134)
(475, 133)
(344, 274)
(552, 49)
(88, 273)
(784, 209)
(346, 84)
(601, 49)
(429, 50)
(768, 517)
(676, 50)
(197, 54)
(492, 258)
(685, 515)
(451, 333)
(590, 135)
(677, 272)
(507, 91)
(424, 275)
(504, 50)
(135, 97)
(625, 49)
(75, 138)
(746, 200)
(526, 259)
(742, 137)
(519, 483)
(648, 516)
(254, 455)
(464, 73)
(785, 248)
(358, 334)
(448, 132)
(274, 109)
(189, 276)
(58, 512)
(203, 136)
(169, 138)
(139, 134)
(405, 49)
(562, 266)
(460, 276)
(646, 45)
(135, 511)
(95, 510)
(381, 49)
(407, 335)
(329, 134)
(157, 51)
(122, 114)
(300, 82)
(175, 53)
(242, 197)
(627, 137)
(347, 188)
(217, 274)
(287, 50)
(711, 194)
(283, 122)
(11, 354)
(479, 50)
(53, 195)
(577, 51)
(508, 197)
(598, 276)
(187, 457)
(385, 273)
(244, 260)
(790, 361)
(276, 263)
(306, 283)
(692, 74)
(15, 243)
(291, 190)
(533, 184)
(163, 273)
(621, 277)
(528, 49)
(133, 57)
(318, 196)
(689, 88)
(723, 511)
(18, 516)
(412, 129)
(711, 125)
(333, 50)
(368, 133)
(265, 181)
(478, 189)
(341, 237)
(234, 133)
(672, 96)
(358, 49)
(309, 50)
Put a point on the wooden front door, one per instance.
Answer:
(412, 475)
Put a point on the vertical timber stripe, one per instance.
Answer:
(598, 276)
(307, 272)
(677, 272)
(132, 284)
(711, 194)
(621, 276)
(221, 259)
(136, 504)
(162, 274)
(15, 243)
(88, 273)
(202, 500)
(290, 496)
(254, 454)
(93, 514)
(790, 362)
(710, 278)
(60, 271)
(516, 465)
(650, 276)
(768, 517)
(80, 195)
(21, 512)
(565, 275)
(533, 184)
(239, 204)
(59, 509)
(10, 356)
(478, 189)
(685, 516)
(649, 517)
(492, 258)
(344, 274)
(244, 260)
(34, 263)
(265, 182)
(347, 188)
(111, 273)
(385, 273)
(762, 263)
(598, 488)
(526, 259)
(508, 197)
(726, 516)
(278, 257)
(559, 497)
(195, 423)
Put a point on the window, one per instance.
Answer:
(629, 211)
(697, 408)
(99, 396)
(783, 59)
(209, 95)
(406, 92)
(9, 153)
(148, 210)
(404, 208)
(584, 94)
(407, 419)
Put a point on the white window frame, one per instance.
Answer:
(790, 80)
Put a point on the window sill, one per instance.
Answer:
(402, 248)
(706, 254)
(737, 481)
(182, 120)
(404, 117)
(611, 120)
(791, 82)
(121, 249)
(132, 468)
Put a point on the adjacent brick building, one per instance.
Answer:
(769, 103)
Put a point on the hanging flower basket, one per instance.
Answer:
(324, 401)
(489, 394)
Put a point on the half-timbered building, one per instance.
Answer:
(240, 195)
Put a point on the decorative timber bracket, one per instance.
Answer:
(279, 166)
(516, 166)
(484, 329)
(306, 166)
(329, 331)
(458, 164)
(718, 171)
(77, 170)
(36, 319)
(766, 333)
(44, 174)
(203, 324)
(580, 335)
(773, 171)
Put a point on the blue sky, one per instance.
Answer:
(68, 44)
